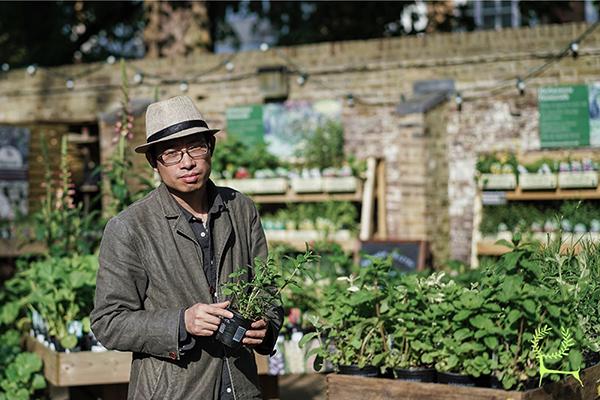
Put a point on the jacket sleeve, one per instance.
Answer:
(119, 319)
(275, 314)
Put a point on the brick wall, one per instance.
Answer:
(378, 72)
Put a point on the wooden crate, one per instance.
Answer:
(346, 387)
(82, 368)
(89, 368)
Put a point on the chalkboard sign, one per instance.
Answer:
(407, 256)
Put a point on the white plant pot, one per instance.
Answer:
(340, 184)
(259, 186)
(498, 181)
(307, 185)
(573, 180)
(537, 181)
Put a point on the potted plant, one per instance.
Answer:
(252, 299)
(578, 174)
(413, 323)
(351, 325)
(539, 175)
(497, 171)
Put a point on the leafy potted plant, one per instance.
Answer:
(497, 171)
(351, 325)
(578, 174)
(251, 299)
(539, 175)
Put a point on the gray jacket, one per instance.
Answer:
(150, 269)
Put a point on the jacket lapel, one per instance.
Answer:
(187, 247)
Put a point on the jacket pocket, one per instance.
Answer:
(149, 375)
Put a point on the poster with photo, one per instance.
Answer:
(14, 186)
(289, 125)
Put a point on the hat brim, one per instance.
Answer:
(186, 132)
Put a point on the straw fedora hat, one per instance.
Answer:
(172, 119)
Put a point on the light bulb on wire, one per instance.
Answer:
(350, 100)
(70, 84)
(184, 86)
(111, 60)
(31, 70)
(574, 47)
(301, 80)
(264, 47)
(5, 67)
(229, 66)
(138, 78)
(521, 86)
(459, 101)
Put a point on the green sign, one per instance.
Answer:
(245, 124)
(564, 116)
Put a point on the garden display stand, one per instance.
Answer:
(346, 387)
(109, 368)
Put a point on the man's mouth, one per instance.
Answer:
(190, 178)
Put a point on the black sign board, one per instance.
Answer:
(407, 256)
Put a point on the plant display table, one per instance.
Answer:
(63, 370)
(346, 387)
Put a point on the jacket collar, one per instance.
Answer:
(172, 210)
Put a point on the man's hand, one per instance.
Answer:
(256, 334)
(204, 319)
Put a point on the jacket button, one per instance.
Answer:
(173, 355)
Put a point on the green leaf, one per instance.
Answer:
(491, 342)
(462, 315)
(39, 382)
(318, 364)
(481, 322)
(306, 338)
(69, 341)
(513, 316)
(529, 306)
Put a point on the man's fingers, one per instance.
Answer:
(219, 312)
(261, 323)
(224, 304)
(257, 334)
(251, 342)
(207, 318)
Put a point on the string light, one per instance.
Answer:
(521, 86)
(110, 60)
(301, 79)
(264, 47)
(459, 100)
(138, 78)
(350, 100)
(574, 47)
(70, 84)
(31, 70)
(184, 86)
(229, 66)
(5, 67)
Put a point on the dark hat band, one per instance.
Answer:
(170, 130)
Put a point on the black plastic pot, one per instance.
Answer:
(416, 374)
(232, 330)
(368, 371)
(462, 380)
(530, 384)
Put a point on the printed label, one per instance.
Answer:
(239, 334)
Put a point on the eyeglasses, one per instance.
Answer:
(172, 157)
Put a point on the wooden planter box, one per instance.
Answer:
(575, 180)
(340, 184)
(498, 181)
(307, 185)
(257, 186)
(346, 387)
(537, 181)
(82, 368)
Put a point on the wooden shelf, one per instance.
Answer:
(15, 248)
(292, 197)
(488, 247)
(549, 195)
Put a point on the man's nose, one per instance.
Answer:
(187, 160)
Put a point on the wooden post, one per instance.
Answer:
(366, 218)
(381, 202)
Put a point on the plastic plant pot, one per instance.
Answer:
(232, 330)
(416, 374)
(368, 371)
(462, 380)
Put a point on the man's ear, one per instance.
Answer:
(212, 141)
(151, 158)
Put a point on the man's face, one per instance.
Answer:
(192, 171)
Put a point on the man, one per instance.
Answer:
(161, 261)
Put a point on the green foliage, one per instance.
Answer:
(22, 377)
(61, 290)
(497, 163)
(351, 327)
(327, 217)
(325, 147)
(231, 155)
(256, 289)
(59, 223)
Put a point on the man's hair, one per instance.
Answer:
(152, 157)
